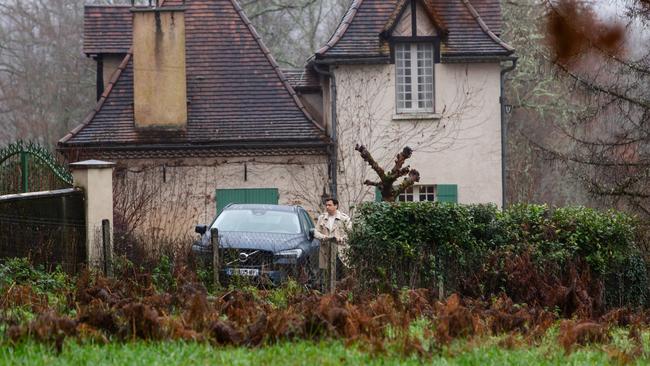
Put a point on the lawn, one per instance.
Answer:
(486, 351)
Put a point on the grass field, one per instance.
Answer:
(486, 351)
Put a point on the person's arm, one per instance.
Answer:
(318, 235)
(317, 230)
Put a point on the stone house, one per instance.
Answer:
(422, 73)
(196, 112)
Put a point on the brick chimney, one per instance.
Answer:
(159, 82)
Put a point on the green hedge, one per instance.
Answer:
(432, 244)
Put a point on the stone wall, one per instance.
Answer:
(165, 199)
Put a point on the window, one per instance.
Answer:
(418, 193)
(428, 193)
(406, 196)
(414, 83)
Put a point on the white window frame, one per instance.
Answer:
(415, 193)
(404, 87)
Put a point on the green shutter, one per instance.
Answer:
(447, 193)
(246, 195)
(378, 197)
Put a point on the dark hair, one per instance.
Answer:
(334, 201)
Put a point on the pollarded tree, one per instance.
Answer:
(387, 179)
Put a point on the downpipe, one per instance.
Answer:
(504, 134)
(333, 149)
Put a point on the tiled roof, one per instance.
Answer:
(302, 79)
(472, 29)
(107, 29)
(182, 152)
(237, 94)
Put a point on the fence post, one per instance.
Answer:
(331, 268)
(441, 284)
(214, 240)
(108, 248)
(96, 179)
(24, 169)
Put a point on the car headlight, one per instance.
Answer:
(289, 253)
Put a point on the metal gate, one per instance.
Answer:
(41, 216)
(29, 167)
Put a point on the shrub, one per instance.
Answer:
(162, 275)
(19, 271)
(468, 248)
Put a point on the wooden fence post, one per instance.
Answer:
(107, 247)
(441, 283)
(332, 265)
(214, 240)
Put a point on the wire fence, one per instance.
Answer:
(46, 227)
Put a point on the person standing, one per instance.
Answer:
(332, 225)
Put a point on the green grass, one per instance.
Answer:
(478, 352)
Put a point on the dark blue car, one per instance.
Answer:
(264, 244)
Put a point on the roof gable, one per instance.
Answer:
(469, 32)
(401, 18)
(236, 91)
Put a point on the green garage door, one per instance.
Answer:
(246, 195)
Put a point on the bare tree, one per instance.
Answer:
(386, 182)
(294, 29)
(539, 101)
(46, 84)
(597, 95)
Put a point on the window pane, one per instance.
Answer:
(427, 193)
(406, 196)
(403, 76)
(425, 76)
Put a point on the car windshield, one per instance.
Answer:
(258, 221)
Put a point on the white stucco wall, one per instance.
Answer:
(182, 191)
(95, 178)
(462, 145)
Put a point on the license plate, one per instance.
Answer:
(243, 271)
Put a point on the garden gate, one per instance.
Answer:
(42, 216)
(28, 167)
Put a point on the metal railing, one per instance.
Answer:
(46, 227)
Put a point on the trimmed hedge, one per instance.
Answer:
(423, 244)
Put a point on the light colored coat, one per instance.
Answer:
(338, 233)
